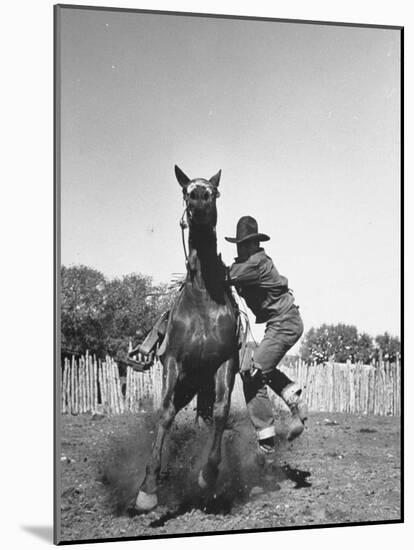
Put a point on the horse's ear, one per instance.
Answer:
(215, 180)
(183, 180)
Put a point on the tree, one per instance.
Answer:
(103, 315)
(132, 306)
(389, 346)
(81, 309)
(343, 342)
(365, 349)
(330, 342)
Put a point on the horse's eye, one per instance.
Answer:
(192, 195)
(206, 196)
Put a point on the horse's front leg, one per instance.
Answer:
(224, 382)
(177, 395)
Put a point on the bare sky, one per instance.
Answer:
(302, 119)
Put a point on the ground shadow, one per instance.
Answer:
(43, 532)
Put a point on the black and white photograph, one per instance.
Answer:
(228, 205)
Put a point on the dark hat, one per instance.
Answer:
(247, 229)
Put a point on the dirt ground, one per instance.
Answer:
(344, 468)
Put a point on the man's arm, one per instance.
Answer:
(243, 274)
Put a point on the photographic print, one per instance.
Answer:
(228, 274)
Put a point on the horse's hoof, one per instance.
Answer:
(202, 483)
(145, 502)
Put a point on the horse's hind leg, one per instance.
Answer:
(224, 385)
(177, 396)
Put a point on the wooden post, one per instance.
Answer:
(112, 383)
(399, 388)
(358, 374)
(92, 385)
(116, 394)
(121, 402)
(72, 386)
(105, 386)
(370, 385)
(75, 387)
(63, 388)
(101, 388)
(78, 388)
(116, 403)
(87, 385)
(77, 404)
(115, 387)
(108, 387)
(127, 390)
(131, 394)
(118, 388)
(134, 391)
(81, 385)
(95, 384)
(352, 389)
(68, 388)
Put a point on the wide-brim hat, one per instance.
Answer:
(247, 229)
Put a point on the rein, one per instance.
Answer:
(184, 226)
(247, 330)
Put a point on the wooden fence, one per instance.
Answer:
(349, 388)
(91, 385)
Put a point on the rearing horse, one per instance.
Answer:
(200, 356)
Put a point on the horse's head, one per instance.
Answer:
(200, 198)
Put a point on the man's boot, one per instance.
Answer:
(146, 349)
(292, 396)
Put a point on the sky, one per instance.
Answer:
(302, 119)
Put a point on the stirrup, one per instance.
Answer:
(139, 349)
(143, 363)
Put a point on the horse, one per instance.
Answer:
(200, 352)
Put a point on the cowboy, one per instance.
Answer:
(266, 293)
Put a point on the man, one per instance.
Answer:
(266, 293)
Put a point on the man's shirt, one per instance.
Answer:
(261, 285)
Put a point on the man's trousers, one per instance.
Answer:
(281, 334)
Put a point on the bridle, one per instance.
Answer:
(186, 217)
